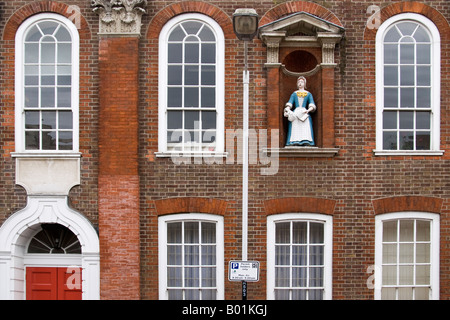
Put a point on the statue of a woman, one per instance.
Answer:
(300, 130)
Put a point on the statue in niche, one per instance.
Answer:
(297, 110)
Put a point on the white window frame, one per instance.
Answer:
(434, 219)
(435, 85)
(19, 86)
(162, 245)
(162, 84)
(328, 249)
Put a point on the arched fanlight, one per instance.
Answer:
(54, 239)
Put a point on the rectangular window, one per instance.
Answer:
(191, 259)
(407, 256)
(299, 259)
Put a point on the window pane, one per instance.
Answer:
(282, 232)
(174, 75)
(423, 120)
(390, 76)
(407, 75)
(406, 120)
(192, 53)
(406, 275)
(49, 140)
(423, 76)
(208, 277)
(191, 255)
(174, 97)
(423, 275)
(47, 97)
(316, 255)
(282, 278)
(192, 27)
(208, 53)
(316, 232)
(31, 97)
(206, 34)
(208, 97)
(390, 120)
(407, 140)
(191, 277)
(64, 97)
(174, 120)
(208, 120)
(64, 53)
(299, 277)
(423, 230)
(407, 98)
(421, 35)
(209, 255)
(191, 232)
(65, 140)
(407, 28)
(31, 53)
(208, 232)
(391, 98)
(174, 255)
(174, 232)
(406, 230)
(390, 140)
(407, 53)
(423, 253)
(389, 231)
(423, 98)
(62, 34)
(177, 34)
(191, 75)
(48, 52)
(406, 252)
(423, 140)
(389, 253)
(390, 53)
(192, 120)
(48, 120)
(423, 54)
(208, 75)
(392, 35)
(32, 140)
(191, 97)
(282, 255)
(175, 53)
(32, 119)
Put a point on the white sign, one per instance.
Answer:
(243, 271)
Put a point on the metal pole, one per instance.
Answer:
(245, 161)
(246, 81)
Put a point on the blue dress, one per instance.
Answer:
(300, 128)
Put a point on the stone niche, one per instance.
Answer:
(302, 44)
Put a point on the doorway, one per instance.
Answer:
(53, 283)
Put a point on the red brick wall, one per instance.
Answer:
(118, 181)
(126, 199)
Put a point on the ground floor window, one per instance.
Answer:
(299, 257)
(191, 257)
(407, 256)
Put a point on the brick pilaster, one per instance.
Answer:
(118, 181)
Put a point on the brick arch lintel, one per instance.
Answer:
(36, 7)
(291, 7)
(191, 205)
(407, 203)
(409, 7)
(163, 16)
(300, 205)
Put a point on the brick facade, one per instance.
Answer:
(125, 186)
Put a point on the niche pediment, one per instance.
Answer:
(301, 29)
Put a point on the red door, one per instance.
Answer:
(51, 283)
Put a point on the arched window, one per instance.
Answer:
(408, 86)
(47, 48)
(55, 239)
(191, 81)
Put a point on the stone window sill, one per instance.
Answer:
(303, 152)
